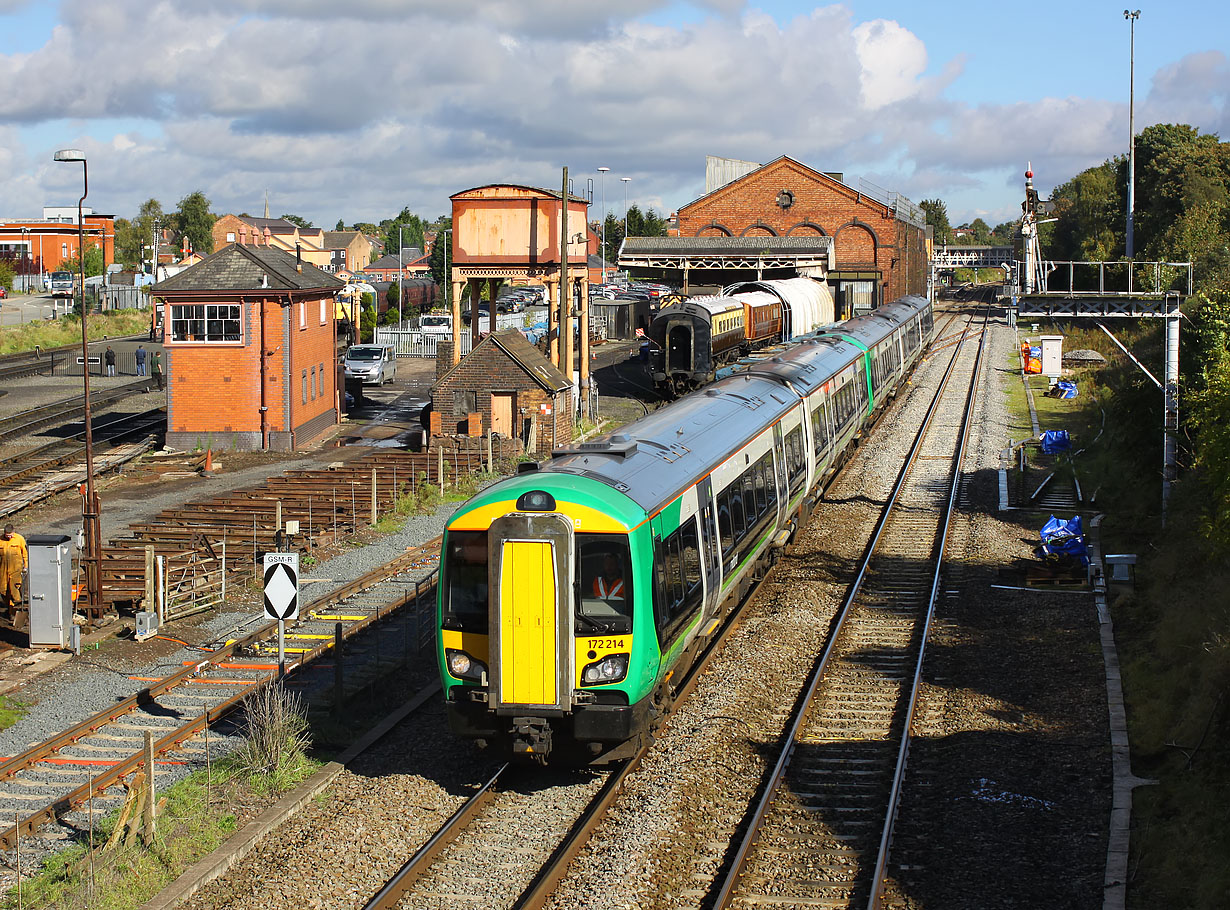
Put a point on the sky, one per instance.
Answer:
(354, 110)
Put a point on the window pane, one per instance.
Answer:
(465, 581)
(604, 579)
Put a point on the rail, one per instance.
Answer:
(894, 624)
(218, 659)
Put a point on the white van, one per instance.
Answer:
(375, 364)
(436, 324)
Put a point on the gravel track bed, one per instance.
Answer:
(1007, 793)
(341, 848)
(669, 833)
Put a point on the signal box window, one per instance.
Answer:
(465, 581)
(205, 322)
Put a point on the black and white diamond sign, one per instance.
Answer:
(282, 585)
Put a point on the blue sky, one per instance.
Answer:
(353, 110)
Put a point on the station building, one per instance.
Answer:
(869, 244)
(250, 347)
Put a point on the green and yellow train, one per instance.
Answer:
(573, 595)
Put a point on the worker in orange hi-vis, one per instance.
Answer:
(14, 560)
(610, 584)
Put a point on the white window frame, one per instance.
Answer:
(200, 319)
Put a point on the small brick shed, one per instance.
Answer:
(517, 391)
(222, 315)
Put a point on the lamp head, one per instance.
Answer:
(625, 179)
(603, 169)
(70, 155)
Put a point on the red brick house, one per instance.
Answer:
(879, 241)
(517, 391)
(222, 315)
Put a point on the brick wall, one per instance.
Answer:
(866, 235)
(213, 389)
(490, 369)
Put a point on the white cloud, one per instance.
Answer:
(354, 110)
(892, 59)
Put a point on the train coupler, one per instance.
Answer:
(531, 737)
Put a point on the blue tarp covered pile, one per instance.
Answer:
(1055, 441)
(1062, 389)
(1064, 538)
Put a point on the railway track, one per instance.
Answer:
(31, 363)
(541, 820)
(65, 410)
(820, 834)
(39, 473)
(83, 767)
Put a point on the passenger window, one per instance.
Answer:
(737, 524)
(725, 528)
(690, 549)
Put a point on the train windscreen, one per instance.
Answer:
(465, 606)
(604, 583)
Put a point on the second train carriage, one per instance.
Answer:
(691, 340)
(574, 593)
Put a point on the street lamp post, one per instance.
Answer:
(626, 181)
(602, 171)
(90, 511)
(1130, 245)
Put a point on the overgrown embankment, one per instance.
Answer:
(1173, 629)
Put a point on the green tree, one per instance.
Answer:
(366, 227)
(367, 318)
(412, 228)
(6, 274)
(94, 264)
(981, 231)
(340, 226)
(134, 238)
(1090, 223)
(299, 222)
(438, 256)
(1003, 234)
(937, 217)
(195, 221)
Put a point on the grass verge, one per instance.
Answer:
(59, 332)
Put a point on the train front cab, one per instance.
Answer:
(680, 350)
(537, 630)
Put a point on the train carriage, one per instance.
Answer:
(572, 594)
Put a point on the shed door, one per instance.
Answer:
(502, 413)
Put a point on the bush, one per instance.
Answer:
(277, 736)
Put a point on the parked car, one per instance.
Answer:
(436, 324)
(484, 314)
(375, 364)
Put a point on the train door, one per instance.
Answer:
(679, 354)
(710, 545)
(781, 470)
(531, 612)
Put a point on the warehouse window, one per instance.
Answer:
(313, 384)
(205, 322)
(305, 392)
(303, 315)
(324, 313)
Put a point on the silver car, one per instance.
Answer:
(375, 364)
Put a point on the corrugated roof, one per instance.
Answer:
(812, 244)
(236, 267)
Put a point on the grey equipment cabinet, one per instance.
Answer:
(51, 599)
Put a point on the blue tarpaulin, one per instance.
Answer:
(1064, 538)
(1055, 441)
(1064, 389)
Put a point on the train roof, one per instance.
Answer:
(710, 305)
(655, 458)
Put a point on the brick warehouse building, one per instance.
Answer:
(516, 390)
(221, 315)
(879, 246)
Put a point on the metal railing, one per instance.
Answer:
(1108, 279)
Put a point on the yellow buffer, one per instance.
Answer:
(527, 623)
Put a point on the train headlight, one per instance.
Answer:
(462, 665)
(611, 668)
